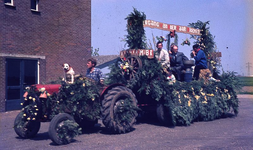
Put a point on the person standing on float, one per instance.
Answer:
(200, 60)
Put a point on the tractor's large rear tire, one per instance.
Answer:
(119, 110)
(24, 128)
(55, 123)
(164, 115)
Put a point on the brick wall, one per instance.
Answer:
(60, 31)
(2, 84)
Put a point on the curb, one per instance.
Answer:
(245, 96)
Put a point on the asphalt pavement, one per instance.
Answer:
(231, 133)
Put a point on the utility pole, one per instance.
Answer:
(248, 65)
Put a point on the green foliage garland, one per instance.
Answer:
(186, 42)
(197, 101)
(136, 38)
(125, 111)
(80, 99)
(189, 102)
(115, 75)
(67, 130)
(206, 42)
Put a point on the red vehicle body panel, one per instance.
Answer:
(50, 88)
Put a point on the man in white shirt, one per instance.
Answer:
(162, 55)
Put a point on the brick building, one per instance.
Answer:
(36, 38)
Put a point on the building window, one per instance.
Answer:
(35, 5)
(8, 2)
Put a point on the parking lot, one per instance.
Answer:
(225, 133)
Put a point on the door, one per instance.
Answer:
(19, 74)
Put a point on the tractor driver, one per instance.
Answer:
(92, 72)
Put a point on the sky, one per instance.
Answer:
(230, 22)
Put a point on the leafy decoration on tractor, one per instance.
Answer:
(207, 44)
(31, 110)
(80, 99)
(125, 110)
(136, 34)
(189, 102)
(67, 130)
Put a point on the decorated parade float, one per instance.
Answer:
(137, 83)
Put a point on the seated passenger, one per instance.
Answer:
(177, 62)
(162, 55)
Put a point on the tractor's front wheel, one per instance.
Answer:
(59, 132)
(119, 109)
(25, 128)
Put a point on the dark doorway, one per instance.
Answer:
(19, 74)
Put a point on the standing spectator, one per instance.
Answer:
(162, 55)
(177, 62)
(200, 60)
(92, 72)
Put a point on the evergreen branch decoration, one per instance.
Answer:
(186, 42)
(189, 102)
(125, 112)
(168, 42)
(80, 99)
(136, 38)
(206, 42)
(67, 130)
(176, 39)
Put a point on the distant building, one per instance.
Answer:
(37, 37)
(104, 61)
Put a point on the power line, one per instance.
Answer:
(248, 65)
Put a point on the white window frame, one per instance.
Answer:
(10, 4)
(36, 5)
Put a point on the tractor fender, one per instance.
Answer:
(107, 88)
(50, 88)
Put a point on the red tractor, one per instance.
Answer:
(68, 105)
(64, 105)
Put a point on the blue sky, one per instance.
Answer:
(230, 23)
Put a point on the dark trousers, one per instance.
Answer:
(178, 73)
(197, 71)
